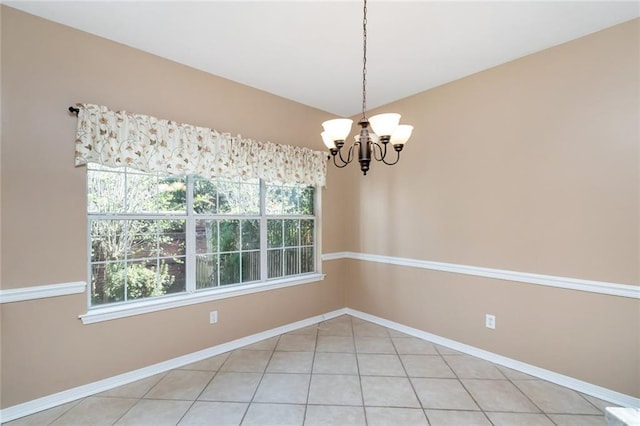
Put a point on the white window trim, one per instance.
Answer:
(100, 313)
(128, 309)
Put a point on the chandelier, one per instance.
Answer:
(385, 128)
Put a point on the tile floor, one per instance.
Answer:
(344, 371)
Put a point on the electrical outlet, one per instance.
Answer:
(490, 321)
(213, 317)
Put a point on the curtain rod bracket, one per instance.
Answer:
(74, 110)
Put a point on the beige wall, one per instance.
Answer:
(45, 68)
(531, 166)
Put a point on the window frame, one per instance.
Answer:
(191, 294)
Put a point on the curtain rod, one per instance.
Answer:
(74, 110)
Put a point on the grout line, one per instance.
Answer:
(313, 361)
(594, 405)
(141, 398)
(415, 393)
(77, 402)
(526, 396)
(261, 378)
(355, 350)
(467, 390)
(215, 374)
(127, 410)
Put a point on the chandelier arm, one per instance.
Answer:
(383, 152)
(349, 157)
(340, 166)
(391, 164)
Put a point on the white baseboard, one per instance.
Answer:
(40, 404)
(44, 403)
(550, 376)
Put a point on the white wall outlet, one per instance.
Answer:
(213, 317)
(490, 321)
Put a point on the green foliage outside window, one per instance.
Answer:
(138, 232)
(141, 281)
(134, 259)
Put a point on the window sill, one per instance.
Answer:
(108, 313)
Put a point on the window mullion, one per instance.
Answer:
(299, 246)
(191, 240)
(90, 258)
(240, 223)
(317, 229)
(218, 259)
(283, 255)
(126, 232)
(125, 256)
(263, 232)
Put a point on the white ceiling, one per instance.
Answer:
(311, 51)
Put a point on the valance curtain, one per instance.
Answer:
(150, 144)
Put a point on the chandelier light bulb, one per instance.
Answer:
(337, 129)
(401, 135)
(384, 124)
(328, 142)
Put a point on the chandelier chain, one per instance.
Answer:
(364, 61)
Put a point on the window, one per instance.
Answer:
(153, 235)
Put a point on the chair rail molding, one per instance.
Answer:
(41, 291)
(601, 287)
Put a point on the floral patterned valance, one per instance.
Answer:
(150, 144)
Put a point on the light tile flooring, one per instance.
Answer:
(344, 371)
